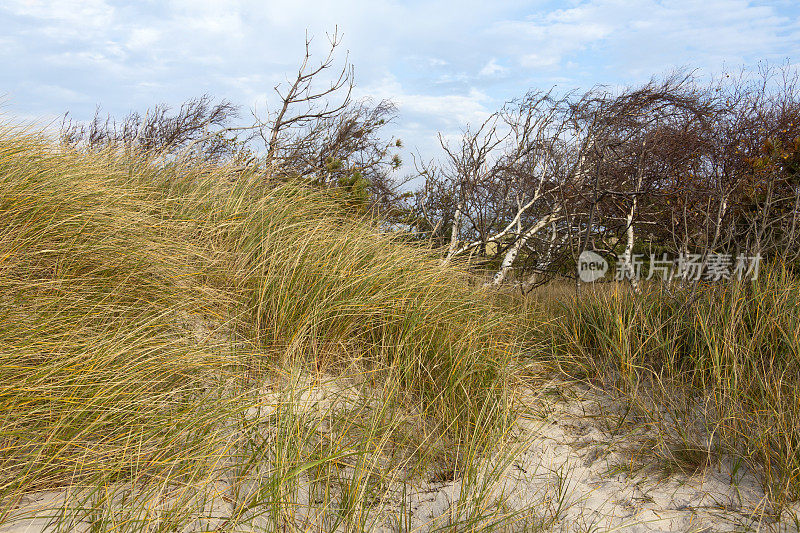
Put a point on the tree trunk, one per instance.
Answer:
(454, 234)
(545, 261)
(513, 252)
(627, 257)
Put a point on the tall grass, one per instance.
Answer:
(153, 315)
(714, 371)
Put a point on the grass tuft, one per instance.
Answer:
(712, 372)
(156, 318)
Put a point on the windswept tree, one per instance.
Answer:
(200, 126)
(627, 142)
(673, 166)
(493, 191)
(317, 134)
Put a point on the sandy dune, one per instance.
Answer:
(564, 475)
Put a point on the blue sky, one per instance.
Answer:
(444, 64)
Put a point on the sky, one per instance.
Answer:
(445, 64)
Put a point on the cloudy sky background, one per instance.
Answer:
(445, 64)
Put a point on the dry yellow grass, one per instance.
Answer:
(145, 304)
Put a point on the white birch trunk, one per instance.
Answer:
(451, 251)
(627, 257)
(513, 252)
(516, 222)
(545, 261)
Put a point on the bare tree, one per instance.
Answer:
(469, 168)
(199, 124)
(318, 134)
(303, 105)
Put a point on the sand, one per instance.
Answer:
(566, 473)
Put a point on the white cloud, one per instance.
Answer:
(424, 116)
(449, 110)
(56, 92)
(426, 62)
(67, 18)
(649, 34)
(541, 60)
(445, 64)
(492, 68)
(142, 38)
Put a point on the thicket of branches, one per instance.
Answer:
(317, 134)
(672, 167)
(675, 166)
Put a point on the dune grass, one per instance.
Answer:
(157, 317)
(187, 347)
(711, 373)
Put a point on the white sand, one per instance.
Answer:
(571, 461)
(564, 476)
